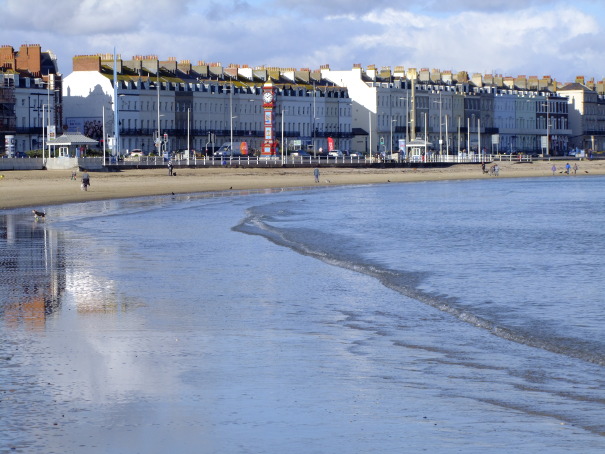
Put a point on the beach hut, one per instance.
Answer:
(69, 145)
(417, 150)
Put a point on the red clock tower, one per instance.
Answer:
(269, 143)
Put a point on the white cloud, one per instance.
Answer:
(528, 41)
(508, 37)
(85, 17)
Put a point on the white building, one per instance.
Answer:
(201, 107)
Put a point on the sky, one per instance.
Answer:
(560, 39)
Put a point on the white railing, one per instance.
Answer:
(272, 161)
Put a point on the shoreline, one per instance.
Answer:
(39, 188)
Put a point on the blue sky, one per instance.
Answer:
(561, 39)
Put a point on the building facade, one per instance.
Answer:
(202, 107)
(30, 98)
(454, 113)
(175, 105)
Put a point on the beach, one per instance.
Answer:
(445, 316)
(37, 188)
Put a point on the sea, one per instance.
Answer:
(442, 317)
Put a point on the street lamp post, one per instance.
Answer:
(43, 132)
(440, 135)
(447, 138)
(158, 139)
(393, 120)
(104, 136)
(407, 118)
(479, 136)
(231, 117)
(314, 118)
(547, 126)
(425, 133)
(370, 132)
(282, 136)
(116, 119)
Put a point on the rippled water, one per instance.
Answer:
(439, 317)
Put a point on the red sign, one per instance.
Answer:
(330, 144)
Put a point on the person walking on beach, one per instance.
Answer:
(567, 168)
(85, 180)
(316, 174)
(575, 168)
(170, 168)
(554, 169)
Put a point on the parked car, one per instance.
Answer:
(335, 154)
(356, 154)
(299, 153)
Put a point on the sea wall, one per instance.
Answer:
(21, 164)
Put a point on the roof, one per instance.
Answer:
(418, 143)
(72, 138)
(575, 86)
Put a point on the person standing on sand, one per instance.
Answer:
(170, 168)
(567, 168)
(575, 168)
(316, 174)
(85, 180)
(554, 169)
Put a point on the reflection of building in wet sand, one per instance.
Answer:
(32, 278)
(42, 273)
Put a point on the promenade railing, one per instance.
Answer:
(294, 161)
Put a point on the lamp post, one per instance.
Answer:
(313, 123)
(46, 117)
(393, 120)
(370, 131)
(104, 136)
(282, 136)
(479, 136)
(547, 126)
(158, 139)
(116, 119)
(447, 138)
(426, 136)
(231, 117)
(407, 118)
(43, 132)
(440, 136)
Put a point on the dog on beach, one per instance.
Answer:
(39, 214)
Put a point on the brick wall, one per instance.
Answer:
(29, 58)
(87, 63)
(7, 57)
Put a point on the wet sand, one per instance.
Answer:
(37, 188)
